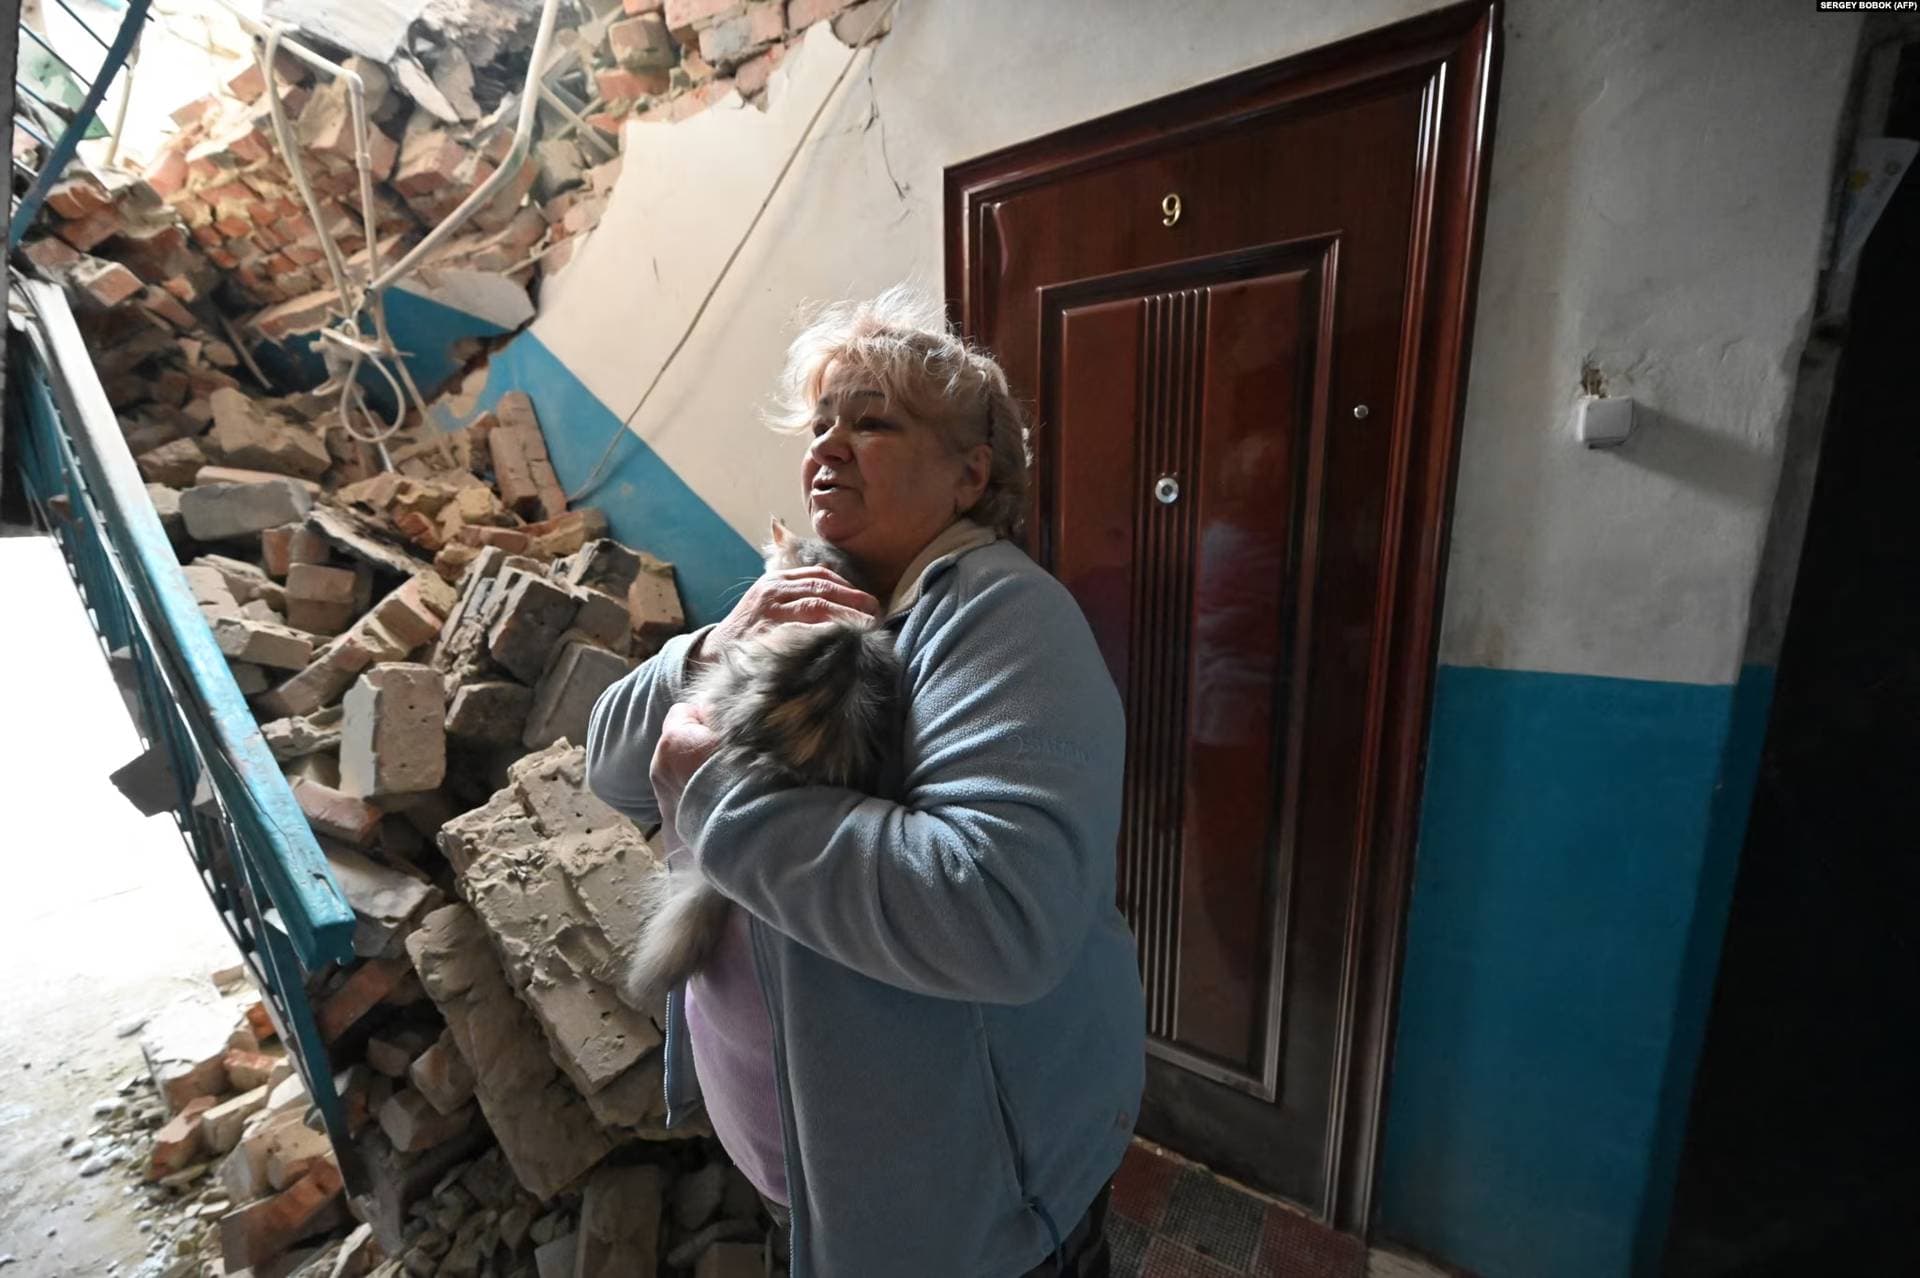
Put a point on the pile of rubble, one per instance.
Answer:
(211, 246)
(422, 647)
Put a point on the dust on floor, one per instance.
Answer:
(102, 923)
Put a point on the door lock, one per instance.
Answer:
(1166, 490)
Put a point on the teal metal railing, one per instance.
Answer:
(248, 840)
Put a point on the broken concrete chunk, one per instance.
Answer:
(733, 1260)
(211, 592)
(620, 1222)
(384, 900)
(604, 620)
(564, 699)
(412, 1124)
(324, 680)
(357, 538)
(214, 512)
(174, 463)
(442, 1075)
(548, 1135)
(393, 1051)
(603, 564)
(221, 1126)
(298, 736)
(245, 434)
(552, 784)
(393, 738)
(654, 601)
(249, 678)
(489, 712)
(501, 824)
(185, 1048)
(558, 1257)
(532, 616)
(263, 643)
(337, 815)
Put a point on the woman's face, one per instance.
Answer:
(881, 485)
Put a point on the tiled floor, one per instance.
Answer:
(1174, 1219)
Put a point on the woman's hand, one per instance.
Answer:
(686, 742)
(806, 595)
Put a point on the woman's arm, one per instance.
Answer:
(625, 724)
(624, 727)
(981, 883)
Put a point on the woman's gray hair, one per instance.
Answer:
(902, 343)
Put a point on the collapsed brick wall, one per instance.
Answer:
(213, 229)
(421, 631)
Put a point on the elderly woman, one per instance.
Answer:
(923, 1039)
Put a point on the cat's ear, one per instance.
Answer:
(781, 533)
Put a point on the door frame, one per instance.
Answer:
(1455, 51)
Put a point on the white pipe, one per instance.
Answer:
(522, 142)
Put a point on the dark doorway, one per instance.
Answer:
(1801, 1154)
(1242, 314)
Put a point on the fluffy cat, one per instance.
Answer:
(817, 705)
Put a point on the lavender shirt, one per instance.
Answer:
(731, 1033)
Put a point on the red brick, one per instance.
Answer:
(382, 154)
(77, 196)
(222, 259)
(429, 161)
(108, 284)
(167, 175)
(248, 1070)
(261, 1022)
(207, 235)
(696, 68)
(642, 43)
(617, 84)
(371, 982)
(168, 308)
(689, 104)
(88, 232)
(733, 40)
(194, 110)
(752, 76)
(49, 254)
(178, 1144)
(260, 1231)
(234, 226)
(684, 13)
(337, 815)
(802, 14)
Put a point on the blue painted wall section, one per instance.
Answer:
(1569, 895)
(423, 330)
(647, 505)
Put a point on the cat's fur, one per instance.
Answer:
(817, 705)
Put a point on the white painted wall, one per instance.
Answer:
(1659, 183)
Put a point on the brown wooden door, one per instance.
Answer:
(1240, 314)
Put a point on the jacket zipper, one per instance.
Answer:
(796, 1191)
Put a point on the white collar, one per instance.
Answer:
(960, 536)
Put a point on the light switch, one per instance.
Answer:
(1603, 421)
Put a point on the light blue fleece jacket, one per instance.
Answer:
(959, 1033)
